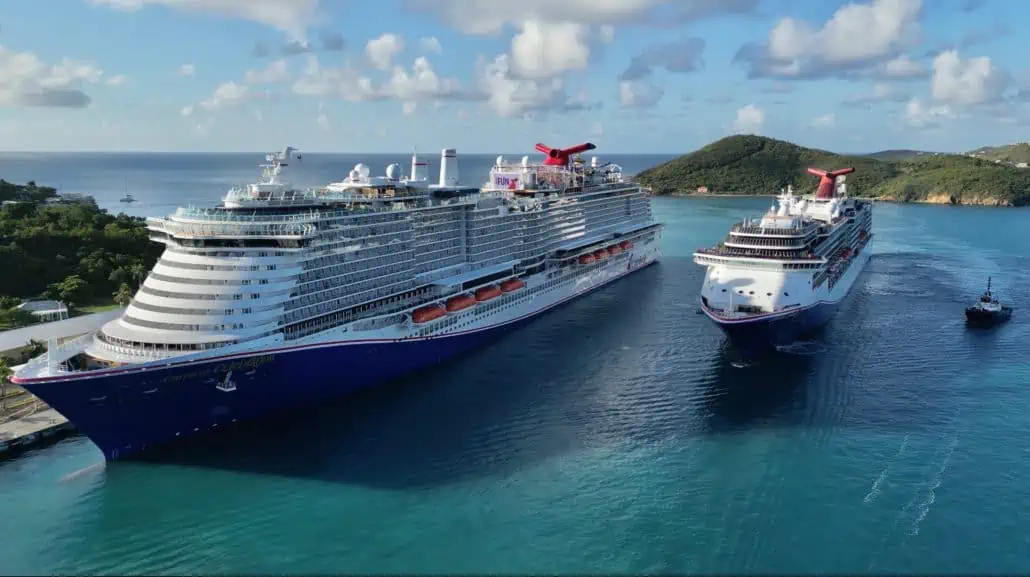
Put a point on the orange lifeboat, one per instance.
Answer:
(512, 284)
(600, 254)
(459, 302)
(486, 293)
(614, 250)
(586, 259)
(428, 313)
(625, 244)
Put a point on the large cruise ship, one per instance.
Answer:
(281, 297)
(777, 278)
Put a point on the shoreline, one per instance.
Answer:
(930, 201)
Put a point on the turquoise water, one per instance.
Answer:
(614, 435)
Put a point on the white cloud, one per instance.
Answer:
(430, 44)
(825, 121)
(227, 94)
(276, 71)
(187, 70)
(544, 49)
(203, 128)
(322, 119)
(410, 87)
(421, 83)
(881, 92)
(289, 16)
(186, 111)
(639, 94)
(917, 115)
(903, 67)
(509, 95)
(344, 82)
(490, 17)
(117, 80)
(966, 82)
(381, 51)
(749, 120)
(855, 36)
(26, 80)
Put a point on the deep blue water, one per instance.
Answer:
(613, 435)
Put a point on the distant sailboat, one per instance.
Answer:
(128, 197)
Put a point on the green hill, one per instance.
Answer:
(899, 155)
(1012, 153)
(755, 165)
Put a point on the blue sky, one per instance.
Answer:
(487, 75)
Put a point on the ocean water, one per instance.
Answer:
(614, 435)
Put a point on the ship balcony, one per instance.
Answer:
(747, 228)
(231, 230)
(780, 243)
(756, 259)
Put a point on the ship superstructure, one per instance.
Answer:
(282, 297)
(777, 278)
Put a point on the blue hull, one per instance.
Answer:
(133, 411)
(762, 334)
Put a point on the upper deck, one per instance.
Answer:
(796, 232)
(559, 173)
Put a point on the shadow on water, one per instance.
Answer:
(631, 364)
(770, 390)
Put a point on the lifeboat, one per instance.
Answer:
(586, 259)
(600, 254)
(488, 292)
(512, 284)
(428, 313)
(625, 245)
(614, 250)
(459, 302)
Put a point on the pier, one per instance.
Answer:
(35, 429)
(31, 422)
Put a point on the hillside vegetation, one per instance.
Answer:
(76, 253)
(754, 165)
(1011, 153)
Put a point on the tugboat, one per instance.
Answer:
(987, 311)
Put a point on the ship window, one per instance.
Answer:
(723, 290)
(786, 295)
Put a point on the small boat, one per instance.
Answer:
(586, 259)
(488, 292)
(987, 311)
(600, 254)
(512, 284)
(127, 198)
(455, 304)
(428, 313)
(614, 250)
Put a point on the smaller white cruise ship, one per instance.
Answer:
(777, 278)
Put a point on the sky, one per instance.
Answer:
(483, 76)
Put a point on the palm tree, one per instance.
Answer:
(5, 374)
(138, 272)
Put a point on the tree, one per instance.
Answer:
(138, 272)
(5, 375)
(32, 350)
(72, 290)
(123, 296)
